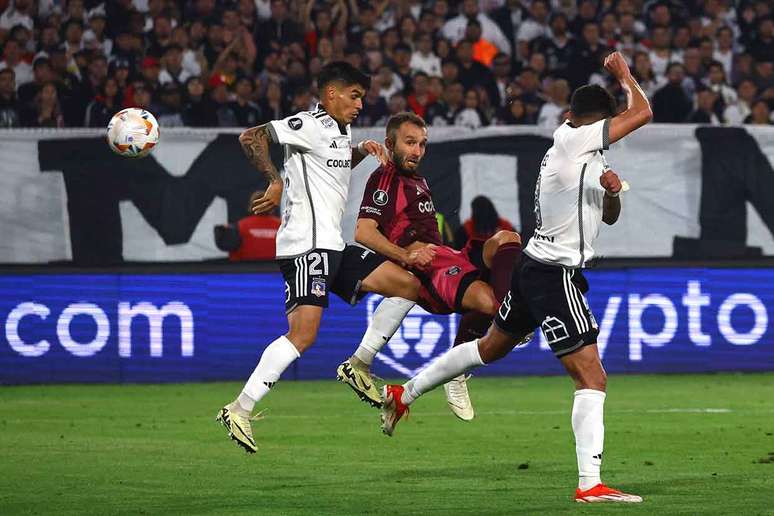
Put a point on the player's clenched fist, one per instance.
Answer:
(610, 182)
(422, 257)
(616, 65)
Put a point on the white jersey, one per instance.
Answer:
(316, 174)
(568, 196)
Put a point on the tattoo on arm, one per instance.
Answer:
(255, 144)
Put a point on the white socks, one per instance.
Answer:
(589, 429)
(385, 322)
(452, 363)
(275, 359)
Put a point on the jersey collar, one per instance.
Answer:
(321, 109)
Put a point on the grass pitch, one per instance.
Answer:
(688, 444)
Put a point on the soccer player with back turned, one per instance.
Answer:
(575, 191)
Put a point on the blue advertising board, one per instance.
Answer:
(212, 326)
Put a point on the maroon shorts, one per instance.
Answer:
(444, 283)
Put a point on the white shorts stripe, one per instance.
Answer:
(298, 278)
(571, 301)
(581, 306)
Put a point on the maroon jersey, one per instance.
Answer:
(402, 206)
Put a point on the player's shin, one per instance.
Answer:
(589, 430)
(275, 359)
(385, 322)
(452, 363)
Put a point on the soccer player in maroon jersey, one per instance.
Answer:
(397, 217)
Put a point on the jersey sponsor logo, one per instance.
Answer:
(426, 207)
(338, 163)
(295, 123)
(318, 287)
(380, 197)
(453, 270)
(327, 122)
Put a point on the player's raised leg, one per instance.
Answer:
(585, 368)
(400, 289)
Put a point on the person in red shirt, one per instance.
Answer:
(483, 223)
(252, 237)
(397, 216)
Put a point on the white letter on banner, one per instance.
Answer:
(758, 329)
(608, 320)
(155, 317)
(63, 329)
(694, 300)
(12, 329)
(637, 335)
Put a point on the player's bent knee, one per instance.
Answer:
(506, 237)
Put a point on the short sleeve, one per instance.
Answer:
(587, 138)
(378, 199)
(299, 130)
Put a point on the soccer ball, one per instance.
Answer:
(132, 133)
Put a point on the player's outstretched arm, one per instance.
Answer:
(638, 111)
(255, 144)
(611, 204)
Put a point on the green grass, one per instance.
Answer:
(157, 449)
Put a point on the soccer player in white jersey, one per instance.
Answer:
(575, 192)
(311, 252)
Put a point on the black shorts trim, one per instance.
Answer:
(357, 264)
(465, 283)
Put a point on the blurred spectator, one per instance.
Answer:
(104, 106)
(272, 107)
(762, 47)
(251, 238)
(483, 50)
(390, 83)
(41, 73)
(671, 103)
(198, 109)
(551, 113)
(374, 111)
(402, 59)
(95, 38)
(396, 104)
(172, 69)
(454, 29)
(760, 114)
(515, 113)
(724, 53)
(735, 113)
(483, 223)
(12, 58)
(420, 97)
(169, 109)
(534, 27)
(45, 110)
(705, 108)
(245, 112)
(587, 57)
(444, 111)
(716, 81)
(18, 12)
(473, 73)
(423, 59)
(643, 72)
(9, 105)
(501, 67)
(471, 115)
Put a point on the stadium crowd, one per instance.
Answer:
(472, 63)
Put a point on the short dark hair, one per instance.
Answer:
(592, 99)
(344, 72)
(398, 119)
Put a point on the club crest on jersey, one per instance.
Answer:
(295, 123)
(453, 270)
(420, 339)
(380, 197)
(318, 287)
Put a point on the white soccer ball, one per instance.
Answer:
(132, 133)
